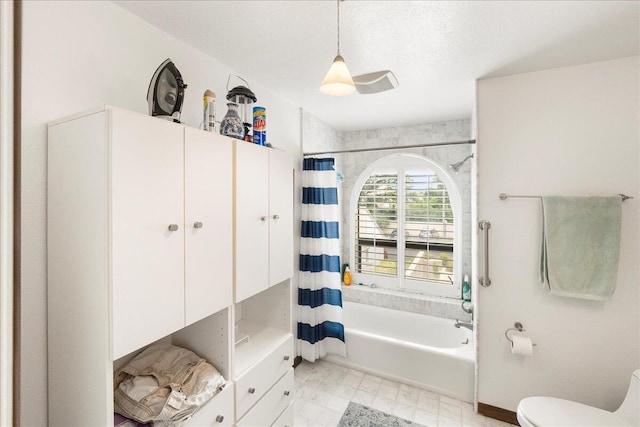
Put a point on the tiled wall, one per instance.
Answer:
(435, 306)
(317, 136)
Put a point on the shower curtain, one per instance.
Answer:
(320, 329)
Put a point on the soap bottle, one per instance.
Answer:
(466, 288)
(346, 278)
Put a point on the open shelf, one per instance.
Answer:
(262, 341)
(262, 324)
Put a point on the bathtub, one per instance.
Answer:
(416, 349)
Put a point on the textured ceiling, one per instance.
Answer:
(436, 49)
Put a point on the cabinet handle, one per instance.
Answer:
(263, 218)
(251, 390)
(219, 419)
(276, 217)
(198, 224)
(173, 227)
(286, 358)
(286, 393)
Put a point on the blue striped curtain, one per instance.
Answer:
(320, 329)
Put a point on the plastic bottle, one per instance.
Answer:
(346, 278)
(466, 288)
(209, 112)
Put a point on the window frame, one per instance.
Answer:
(400, 162)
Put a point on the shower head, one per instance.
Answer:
(456, 166)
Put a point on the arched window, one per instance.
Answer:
(406, 236)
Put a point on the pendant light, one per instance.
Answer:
(338, 81)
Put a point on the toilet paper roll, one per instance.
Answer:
(522, 346)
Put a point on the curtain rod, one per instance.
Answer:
(360, 150)
(504, 196)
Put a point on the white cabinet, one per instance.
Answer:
(252, 219)
(259, 378)
(171, 199)
(124, 193)
(274, 402)
(264, 350)
(286, 418)
(218, 412)
(281, 221)
(78, 294)
(145, 170)
(264, 218)
(208, 195)
(141, 242)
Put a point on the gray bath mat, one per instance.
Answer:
(357, 415)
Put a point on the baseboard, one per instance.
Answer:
(497, 413)
(297, 361)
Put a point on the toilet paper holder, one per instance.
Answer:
(517, 327)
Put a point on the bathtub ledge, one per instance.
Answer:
(449, 308)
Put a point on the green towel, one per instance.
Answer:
(580, 246)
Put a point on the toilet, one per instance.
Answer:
(550, 411)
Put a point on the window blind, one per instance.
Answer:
(412, 210)
(428, 224)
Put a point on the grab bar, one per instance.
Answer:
(484, 278)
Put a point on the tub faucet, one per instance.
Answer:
(467, 325)
(468, 308)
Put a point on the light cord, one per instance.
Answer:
(338, 1)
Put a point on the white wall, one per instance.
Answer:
(567, 131)
(317, 136)
(79, 55)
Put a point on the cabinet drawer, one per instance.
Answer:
(285, 419)
(271, 405)
(216, 412)
(254, 383)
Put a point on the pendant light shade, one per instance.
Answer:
(338, 81)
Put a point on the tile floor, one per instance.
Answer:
(323, 391)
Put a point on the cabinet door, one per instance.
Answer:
(217, 412)
(208, 224)
(286, 418)
(280, 216)
(252, 219)
(146, 257)
(266, 410)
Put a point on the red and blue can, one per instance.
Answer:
(259, 126)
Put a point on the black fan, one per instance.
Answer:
(166, 92)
